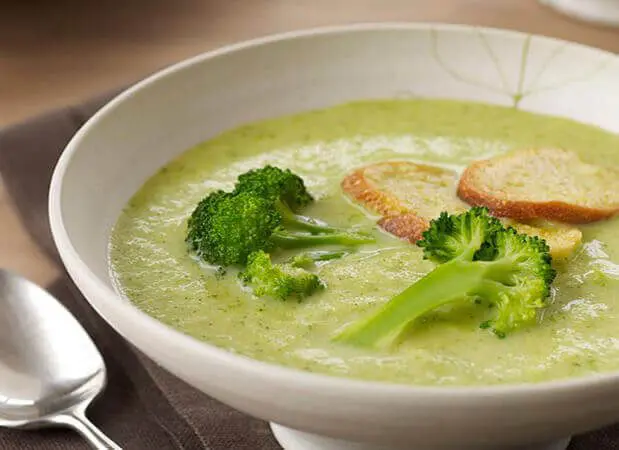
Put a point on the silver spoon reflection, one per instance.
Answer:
(49, 367)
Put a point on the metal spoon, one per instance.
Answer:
(50, 370)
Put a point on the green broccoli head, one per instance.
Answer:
(517, 268)
(523, 267)
(529, 257)
(478, 258)
(199, 222)
(225, 228)
(276, 184)
(465, 235)
(280, 281)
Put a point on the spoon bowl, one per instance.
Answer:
(49, 366)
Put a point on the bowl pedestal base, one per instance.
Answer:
(291, 439)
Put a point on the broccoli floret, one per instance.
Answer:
(225, 228)
(199, 221)
(280, 281)
(275, 183)
(240, 228)
(289, 194)
(478, 258)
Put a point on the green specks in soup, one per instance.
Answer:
(576, 335)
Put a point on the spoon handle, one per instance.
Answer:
(95, 437)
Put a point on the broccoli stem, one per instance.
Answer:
(308, 259)
(326, 255)
(447, 283)
(304, 222)
(285, 239)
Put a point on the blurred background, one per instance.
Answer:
(54, 53)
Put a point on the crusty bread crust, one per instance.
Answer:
(472, 191)
(408, 226)
(359, 187)
(399, 218)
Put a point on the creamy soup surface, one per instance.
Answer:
(577, 335)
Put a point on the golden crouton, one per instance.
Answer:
(409, 195)
(547, 183)
(395, 187)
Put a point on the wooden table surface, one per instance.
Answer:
(54, 53)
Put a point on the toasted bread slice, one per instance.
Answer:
(406, 194)
(396, 187)
(547, 183)
(410, 195)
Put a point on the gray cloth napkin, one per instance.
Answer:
(143, 406)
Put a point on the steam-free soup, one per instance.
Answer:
(577, 335)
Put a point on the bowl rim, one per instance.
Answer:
(88, 281)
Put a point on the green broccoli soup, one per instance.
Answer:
(575, 333)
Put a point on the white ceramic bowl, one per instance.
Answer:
(146, 126)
